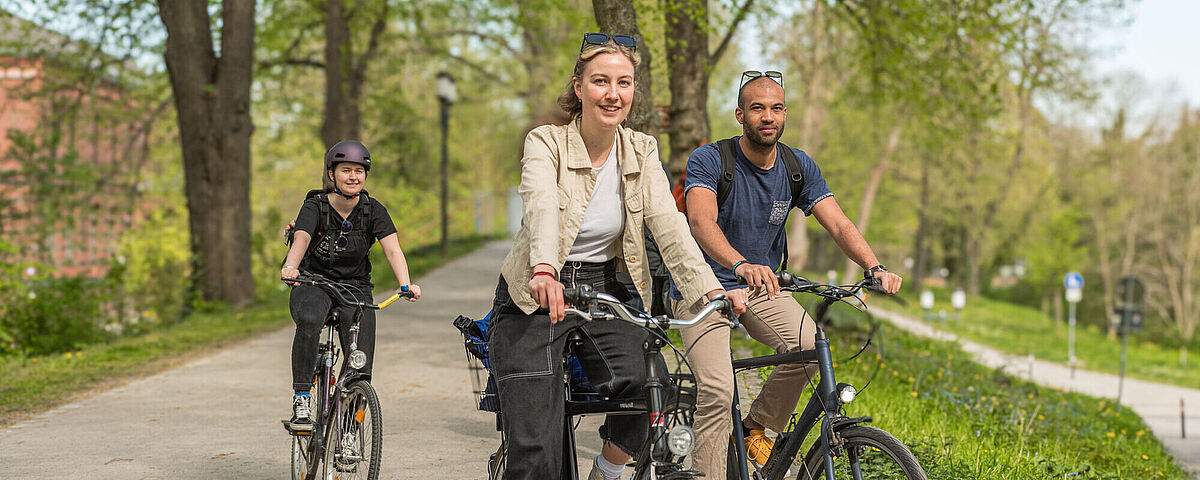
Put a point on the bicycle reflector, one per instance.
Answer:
(681, 440)
(846, 393)
(358, 359)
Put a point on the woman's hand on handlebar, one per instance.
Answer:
(740, 298)
(759, 276)
(289, 271)
(548, 292)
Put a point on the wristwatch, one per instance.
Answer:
(870, 273)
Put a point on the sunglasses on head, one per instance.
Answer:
(603, 38)
(749, 75)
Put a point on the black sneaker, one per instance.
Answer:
(301, 416)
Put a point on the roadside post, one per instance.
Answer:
(1074, 284)
(958, 300)
(927, 303)
(1128, 304)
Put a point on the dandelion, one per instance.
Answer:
(1041, 417)
(912, 393)
(1141, 432)
(1111, 434)
(911, 379)
(67, 355)
(1145, 457)
(35, 360)
(984, 398)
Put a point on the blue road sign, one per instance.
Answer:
(1073, 280)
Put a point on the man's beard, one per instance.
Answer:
(757, 138)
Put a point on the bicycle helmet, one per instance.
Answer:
(348, 151)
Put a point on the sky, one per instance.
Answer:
(1162, 45)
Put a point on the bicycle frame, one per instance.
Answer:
(823, 405)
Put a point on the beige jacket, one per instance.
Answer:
(556, 185)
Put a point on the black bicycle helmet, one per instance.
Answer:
(348, 151)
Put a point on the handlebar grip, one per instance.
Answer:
(581, 295)
(393, 298)
(873, 284)
(785, 278)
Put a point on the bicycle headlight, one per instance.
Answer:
(681, 440)
(358, 359)
(846, 393)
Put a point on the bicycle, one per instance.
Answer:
(347, 434)
(670, 405)
(845, 448)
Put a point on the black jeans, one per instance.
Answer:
(310, 306)
(527, 359)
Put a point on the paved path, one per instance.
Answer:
(1158, 404)
(218, 417)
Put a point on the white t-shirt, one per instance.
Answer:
(604, 219)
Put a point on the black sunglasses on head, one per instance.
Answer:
(603, 38)
(749, 75)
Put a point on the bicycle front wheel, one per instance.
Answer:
(874, 453)
(356, 436)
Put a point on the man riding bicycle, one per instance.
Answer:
(739, 224)
(332, 237)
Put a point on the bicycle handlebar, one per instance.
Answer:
(343, 292)
(586, 295)
(796, 283)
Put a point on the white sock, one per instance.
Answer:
(610, 471)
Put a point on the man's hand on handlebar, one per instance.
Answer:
(758, 276)
(889, 281)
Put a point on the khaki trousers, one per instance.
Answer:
(777, 324)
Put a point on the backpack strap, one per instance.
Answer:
(796, 178)
(728, 164)
(366, 213)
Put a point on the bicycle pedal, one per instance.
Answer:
(682, 475)
(300, 433)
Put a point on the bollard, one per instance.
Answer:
(1031, 366)
(1182, 422)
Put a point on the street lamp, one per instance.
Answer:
(958, 300)
(447, 94)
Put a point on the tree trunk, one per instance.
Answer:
(687, 58)
(212, 101)
(919, 261)
(868, 200)
(619, 16)
(337, 124)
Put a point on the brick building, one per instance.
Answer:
(70, 144)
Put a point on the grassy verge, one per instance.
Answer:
(36, 384)
(1009, 328)
(963, 420)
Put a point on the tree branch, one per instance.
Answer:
(737, 20)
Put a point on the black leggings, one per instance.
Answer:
(310, 307)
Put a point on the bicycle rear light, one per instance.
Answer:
(358, 359)
(846, 393)
(681, 440)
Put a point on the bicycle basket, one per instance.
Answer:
(483, 385)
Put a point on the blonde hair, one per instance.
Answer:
(569, 101)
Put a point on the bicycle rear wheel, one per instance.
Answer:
(356, 436)
(875, 453)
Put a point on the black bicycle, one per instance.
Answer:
(671, 405)
(347, 436)
(846, 448)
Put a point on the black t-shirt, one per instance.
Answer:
(342, 253)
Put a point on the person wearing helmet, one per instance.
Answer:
(332, 236)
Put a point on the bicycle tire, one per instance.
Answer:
(880, 455)
(356, 435)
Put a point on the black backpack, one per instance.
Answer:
(324, 211)
(658, 271)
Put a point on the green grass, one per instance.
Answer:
(963, 420)
(37, 384)
(1013, 329)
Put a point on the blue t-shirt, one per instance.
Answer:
(753, 215)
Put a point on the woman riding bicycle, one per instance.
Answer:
(588, 188)
(345, 222)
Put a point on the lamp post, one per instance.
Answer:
(927, 302)
(447, 93)
(958, 300)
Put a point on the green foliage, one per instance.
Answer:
(962, 420)
(55, 315)
(151, 270)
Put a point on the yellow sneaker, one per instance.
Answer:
(758, 447)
